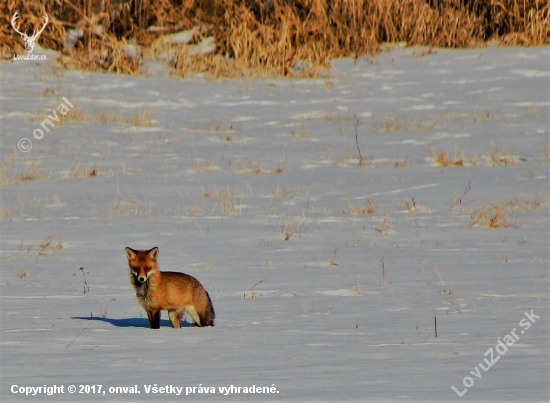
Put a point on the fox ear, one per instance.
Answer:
(131, 254)
(153, 253)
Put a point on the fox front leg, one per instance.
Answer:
(154, 319)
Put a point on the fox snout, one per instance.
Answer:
(140, 276)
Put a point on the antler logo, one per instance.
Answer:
(29, 40)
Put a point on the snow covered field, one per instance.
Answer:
(326, 276)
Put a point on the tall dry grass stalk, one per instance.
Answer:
(257, 37)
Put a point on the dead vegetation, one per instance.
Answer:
(228, 200)
(492, 157)
(52, 244)
(145, 116)
(127, 205)
(457, 160)
(545, 152)
(492, 216)
(391, 123)
(31, 170)
(251, 37)
(296, 228)
(252, 167)
(385, 226)
(85, 172)
(412, 207)
(362, 209)
(75, 114)
(279, 193)
(498, 215)
(16, 169)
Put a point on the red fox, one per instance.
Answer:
(176, 292)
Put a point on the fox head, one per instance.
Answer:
(142, 263)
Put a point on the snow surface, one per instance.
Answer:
(344, 308)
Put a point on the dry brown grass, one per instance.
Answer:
(145, 116)
(404, 163)
(34, 172)
(4, 211)
(385, 226)
(457, 160)
(291, 229)
(85, 172)
(74, 114)
(545, 151)
(196, 211)
(52, 244)
(502, 157)
(110, 116)
(492, 216)
(216, 65)
(492, 157)
(255, 168)
(205, 168)
(228, 200)
(412, 207)
(254, 37)
(6, 170)
(279, 193)
(497, 215)
(259, 170)
(303, 132)
(392, 123)
(362, 209)
(127, 205)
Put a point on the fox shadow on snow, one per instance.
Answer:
(132, 322)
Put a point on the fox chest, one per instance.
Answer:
(145, 294)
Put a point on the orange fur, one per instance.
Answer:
(165, 290)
